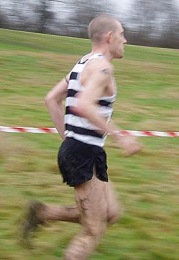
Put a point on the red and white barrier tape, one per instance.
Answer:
(20, 129)
(45, 130)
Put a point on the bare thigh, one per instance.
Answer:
(97, 202)
(92, 204)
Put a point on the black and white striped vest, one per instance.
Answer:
(78, 127)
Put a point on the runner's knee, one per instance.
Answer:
(96, 230)
(114, 215)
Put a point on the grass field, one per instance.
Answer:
(147, 183)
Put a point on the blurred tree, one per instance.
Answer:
(31, 15)
(18, 16)
(153, 23)
(14, 15)
(3, 20)
(82, 12)
(44, 14)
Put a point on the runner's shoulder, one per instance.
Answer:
(99, 65)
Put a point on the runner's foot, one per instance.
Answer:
(31, 220)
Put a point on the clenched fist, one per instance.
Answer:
(129, 144)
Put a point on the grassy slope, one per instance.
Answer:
(147, 78)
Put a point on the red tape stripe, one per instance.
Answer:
(47, 130)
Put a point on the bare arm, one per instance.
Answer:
(54, 103)
(96, 79)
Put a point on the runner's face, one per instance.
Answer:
(117, 42)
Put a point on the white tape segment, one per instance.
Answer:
(45, 130)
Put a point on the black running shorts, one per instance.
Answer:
(76, 161)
